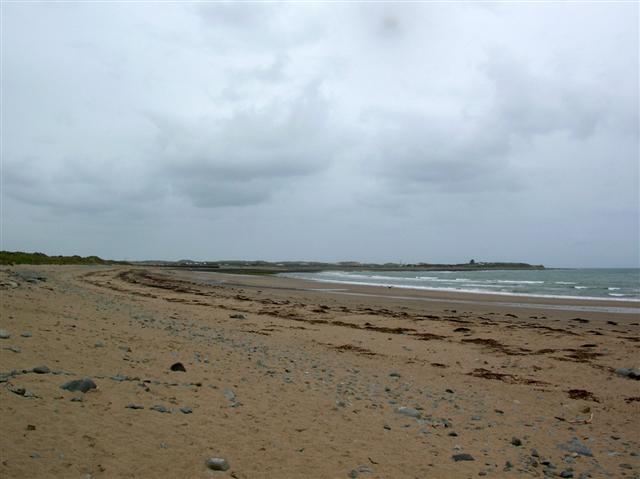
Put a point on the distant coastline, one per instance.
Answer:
(263, 267)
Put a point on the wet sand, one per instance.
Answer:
(291, 378)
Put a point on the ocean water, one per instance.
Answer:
(610, 284)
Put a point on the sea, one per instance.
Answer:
(609, 284)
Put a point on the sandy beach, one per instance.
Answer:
(295, 379)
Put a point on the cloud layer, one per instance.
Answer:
(411, 132)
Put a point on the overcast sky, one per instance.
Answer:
(373, 132)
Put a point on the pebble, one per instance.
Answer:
(178, 367)
(394, 374)
(134, 406)
(82, 385)
(160, 408)
(41, 370)
(534, 453)
(409, 411)
(217, 464)
(462, 457)
(516, 441)
(238, 316)
(576, 446)
(77, 399)
(14, 349)
(566, 473)
(186, 410)
(4, 334)
(26, 334)
(631, 373)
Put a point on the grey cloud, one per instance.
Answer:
(359, 129)
(249, 155)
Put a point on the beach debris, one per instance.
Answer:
(631, 373)
(576, 446)
(41, 370)
(582, 394)
(82, 385)
(119, 377)
(409, 411)
(462, 457)
(134, 406)
(217, 464)
(4, 334)
(178, 367)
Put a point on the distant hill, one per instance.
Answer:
(20, 257)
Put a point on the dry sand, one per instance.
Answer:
(309, 383)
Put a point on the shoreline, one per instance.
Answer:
(571, 304)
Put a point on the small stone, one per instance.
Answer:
(229, 394)
(462, 457)
(394, 374)
(82, 385)
(576, 446)
(119, 378)
(4, 334)
(99, 344)
(178, 367)
(352, 474)
(217, 464)
(186, 410)
(76, 399)
(160, 408)
(566, 473)
(25, 334)
(624, 465)
(41, 370)
(453, 434)
(409, 411)
(238, 316)
(14, 349)
(508, 465)
(17, 390)
(631, 373)
(534, 453)
(387, 427)
(134, 406)
(516, 441)
(31, 427)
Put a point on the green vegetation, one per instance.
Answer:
(19, 257)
